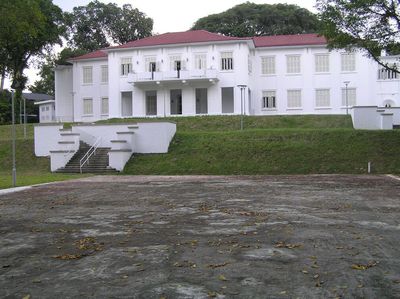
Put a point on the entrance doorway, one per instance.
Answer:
(126, 104)
(227, 100)
(176, 101)
(201, 101)
(151, 102)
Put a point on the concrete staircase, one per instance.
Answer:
(97, 163)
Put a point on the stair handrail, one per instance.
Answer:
(89, 153)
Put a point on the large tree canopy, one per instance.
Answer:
(27, 28)
(371, 25)
(249, 19)
(97, 25)
(46, 70)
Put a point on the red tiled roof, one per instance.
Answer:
(199, 36)
(91, 55)
(186, 37)
(289, 40)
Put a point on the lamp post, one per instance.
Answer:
(25, 118)
(346, 83)
(242, 91)
(14, 170)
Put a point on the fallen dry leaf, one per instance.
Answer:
(222, 277)
(185, 264)
(364, 267)
(27, 297)
(214, 266)
(287, 245)
(68, 256)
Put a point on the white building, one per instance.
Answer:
(198, 72)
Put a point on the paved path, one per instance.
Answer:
(202, 237)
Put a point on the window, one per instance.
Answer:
(150, 64)
(87, 75)
(322, 63)
(294, 98)
(200, 61)
(269, 99)
(348, 62)
(126, 66)
(87, 106)
(175, 63)
(351, 97)
(47, 108)
(43, 109)
(322, 98)
(104, 106)
(268, 65)
(104, 74)
(293, 64)
(226, 61)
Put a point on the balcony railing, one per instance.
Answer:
(173, 75)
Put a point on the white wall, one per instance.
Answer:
(150, 137)
(95, 91)
(63, 79)
(370, 91)
(47, 113)
(308, 80)
(46, 139)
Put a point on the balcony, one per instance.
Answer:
(183, 76)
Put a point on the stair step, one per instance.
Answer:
(98, 163)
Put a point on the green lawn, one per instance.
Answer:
(274, 151)
(232, 123)
(30, 169)
(215, 145)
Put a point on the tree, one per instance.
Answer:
(46, 70)
(249, 19)
(27, 28)
(98, 25)
(370, 25)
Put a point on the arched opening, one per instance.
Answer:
(388, 103)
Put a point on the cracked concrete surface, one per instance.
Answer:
(201, 237)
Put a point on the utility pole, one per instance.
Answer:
(14, 170)
(25, 118)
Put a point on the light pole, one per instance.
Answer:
(347, 96)
(242, 91)
(14, 170)
(25, 118)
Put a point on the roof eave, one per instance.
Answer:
(292, 46)
(87, 59)
(179, 45)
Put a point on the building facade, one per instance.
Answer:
(202, 73)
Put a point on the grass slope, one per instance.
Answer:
(30, 169)
(282, 151)
(215, 145)
(232, 123)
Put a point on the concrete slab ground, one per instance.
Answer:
(203, 237)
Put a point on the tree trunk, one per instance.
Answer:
(2, 79)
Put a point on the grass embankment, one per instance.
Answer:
(271, 145)
(215, 145)
(30, 169)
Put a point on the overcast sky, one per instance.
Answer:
(179, 15)
(171, 15)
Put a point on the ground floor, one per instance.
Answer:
(200, 237)
(179, 100)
